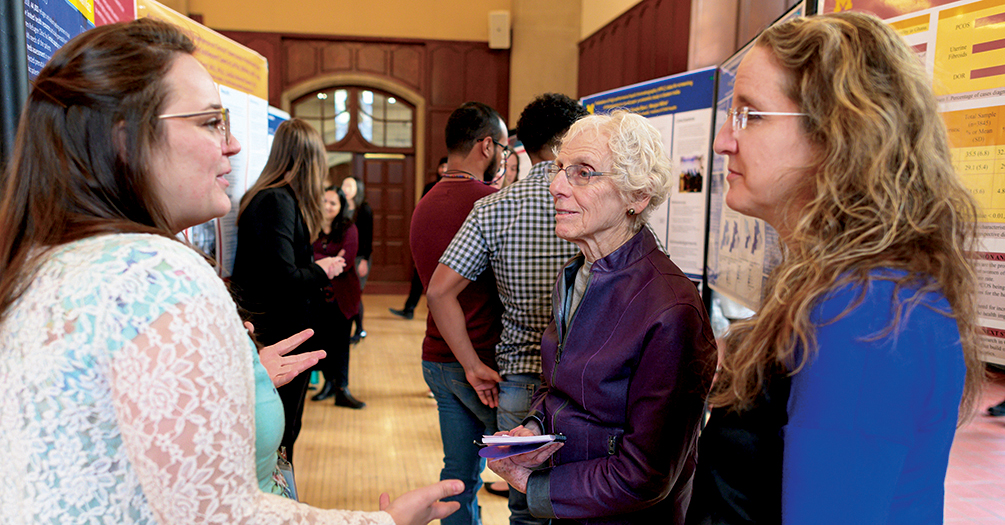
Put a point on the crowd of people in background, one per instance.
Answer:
(138, 387)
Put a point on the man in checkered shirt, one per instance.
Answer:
(513, 231)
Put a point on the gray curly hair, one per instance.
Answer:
(639, 161)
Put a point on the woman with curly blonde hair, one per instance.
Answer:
(838, 401)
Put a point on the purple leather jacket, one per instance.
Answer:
(626, 384)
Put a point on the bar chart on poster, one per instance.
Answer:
(962, 45)
(969, 70)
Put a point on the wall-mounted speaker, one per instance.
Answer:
(499, 30)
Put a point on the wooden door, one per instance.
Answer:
(389, 182)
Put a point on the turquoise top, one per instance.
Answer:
(269, 425)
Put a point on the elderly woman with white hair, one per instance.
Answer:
(628, 360)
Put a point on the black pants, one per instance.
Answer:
(415, 292)
(293, 394)
(332, 331)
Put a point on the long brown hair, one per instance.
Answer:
(885, 195)
(298, 159)
(79, 163)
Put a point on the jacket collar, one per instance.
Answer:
(638, 247)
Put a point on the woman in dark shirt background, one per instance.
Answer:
(339, 238)
(362, 216)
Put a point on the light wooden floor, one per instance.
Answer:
(346, 458)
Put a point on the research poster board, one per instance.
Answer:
(50, 24)
(962, 45)
(742, 250)
(242, 76)
(108, 11)
(680, 107)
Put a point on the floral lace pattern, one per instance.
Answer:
(126, 395)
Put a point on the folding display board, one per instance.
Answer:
(742, 250)
(680, 107)
(962, 45)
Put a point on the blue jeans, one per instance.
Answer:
(515, 393)
(463, 419)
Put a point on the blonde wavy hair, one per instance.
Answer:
(885, 195)
(639, 160)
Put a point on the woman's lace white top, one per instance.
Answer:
(126, 395)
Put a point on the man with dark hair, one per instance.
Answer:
(476, 135)
(511, 232)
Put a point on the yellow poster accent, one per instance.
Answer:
(910, 26)
(977, 137)
(86, 8)
(970, 48)
(228, 62)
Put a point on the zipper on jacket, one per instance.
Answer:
(612, 445)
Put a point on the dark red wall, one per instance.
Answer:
(648, 41)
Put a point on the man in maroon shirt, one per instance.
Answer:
(476, 138)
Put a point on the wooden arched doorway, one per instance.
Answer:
(373, 131)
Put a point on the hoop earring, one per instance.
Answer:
(631, 212)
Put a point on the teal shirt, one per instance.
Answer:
(269, 425)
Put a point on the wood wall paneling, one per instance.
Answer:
(301, 61)
(406, 66)
(446, 76)
(444, 73)
(372, 59)
(648, 41)
(481, 80)
(336, 58)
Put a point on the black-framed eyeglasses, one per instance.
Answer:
(507, 151)
(222, 126)
(576, 174)
(739, 117)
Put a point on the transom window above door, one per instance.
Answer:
(366, 118)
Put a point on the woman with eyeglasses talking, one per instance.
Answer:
(128, 383)
(838, 401)
(629, 357)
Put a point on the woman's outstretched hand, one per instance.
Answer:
(420, 506)
(283, 368)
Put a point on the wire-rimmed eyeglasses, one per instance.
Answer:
(739, 117)
(576, 174)
(222, 126)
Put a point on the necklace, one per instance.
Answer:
(458, 174)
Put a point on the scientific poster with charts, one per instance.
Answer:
(250, 125)
(742, 250)
(242, 77)
(962, 45)
(680, 107)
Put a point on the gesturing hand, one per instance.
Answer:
(281, 367)
(420, 506)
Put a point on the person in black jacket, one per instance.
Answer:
(275, 276)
